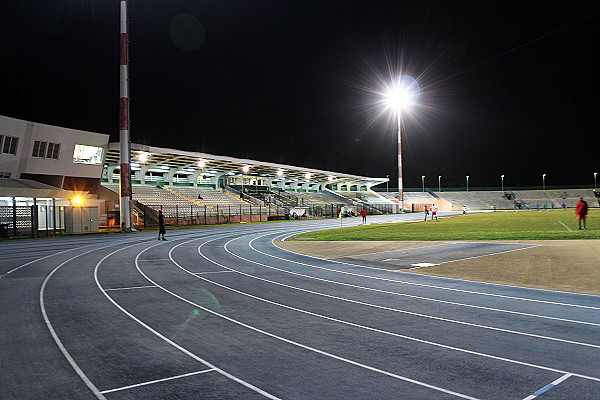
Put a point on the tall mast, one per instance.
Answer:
(125, 170)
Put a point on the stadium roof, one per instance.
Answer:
(186, 162)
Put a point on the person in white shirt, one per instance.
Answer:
(433, 212)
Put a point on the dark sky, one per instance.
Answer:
(506, 87)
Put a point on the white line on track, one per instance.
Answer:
(541, 367)
(403, 294)
(373, 329)
(212, 272)
(352, 362)
(423, 284)
(387, 308)
(132, 287)
(548, 387)
(164, 338)
(43, 258)
(158, 381)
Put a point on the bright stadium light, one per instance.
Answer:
(423, 182)
(543, 181)
(201, 164)
(399, 97)
(467, 183)
(439, 183)
(595, 174)
(502, 178)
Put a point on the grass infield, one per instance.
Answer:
(501, 225)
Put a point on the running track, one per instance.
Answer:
(222, 313)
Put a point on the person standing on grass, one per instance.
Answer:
(363, 214)
(161, 226)
(581, 209)
(426, 212)
(433, 212)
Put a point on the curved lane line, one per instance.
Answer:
(390, 308)
(377, 330)
(164, 338)
(409, 295)
(434, 286)
(303, 346)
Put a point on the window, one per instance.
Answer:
(4, 174)
(53, 150)
(10, 145)
(39, 149)
(45, 150)
(87, 154)
(1, 140)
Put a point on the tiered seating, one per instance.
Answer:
(214, 199)
(558, 197)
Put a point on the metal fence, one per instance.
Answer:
(33, 221)
(146, 216)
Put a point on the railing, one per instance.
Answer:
(35, 221)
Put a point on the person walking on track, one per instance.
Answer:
(161, 226)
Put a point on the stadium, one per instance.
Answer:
(47, 169)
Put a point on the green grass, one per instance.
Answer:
(520, 225)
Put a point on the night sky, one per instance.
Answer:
(504, 89)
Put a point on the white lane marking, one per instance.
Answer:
(423, 264)
(43, 258)
(384, 307)
(548, 387)
(158, 381)
(164, 338)
(57, 340)
(352, 362)
(391, 259)
(155, 259)
(211, 272)
(508, 360)
(569, 229)
(413, 296)
(418, 284)
(132, 287)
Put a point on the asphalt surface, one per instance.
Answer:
(222, 313)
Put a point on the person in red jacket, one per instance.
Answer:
(581, 209)
(363, 214)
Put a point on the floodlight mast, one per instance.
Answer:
(400, 96)
(124, 140)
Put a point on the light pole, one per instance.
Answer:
(595, 174)
(502, 178)
(439, 183)
(399, 96)
(124, 137)
(387, 184)
(543, 181)
(423, 182)
(245, 170)
(467, 183)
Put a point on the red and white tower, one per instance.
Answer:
(125, 162)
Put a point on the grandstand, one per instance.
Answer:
(48, 166)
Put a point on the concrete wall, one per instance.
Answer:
(28, 132)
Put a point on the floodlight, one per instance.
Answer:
(143, 157)
(201, 163)
(77, 200)
(403, 92)
(245, 168)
